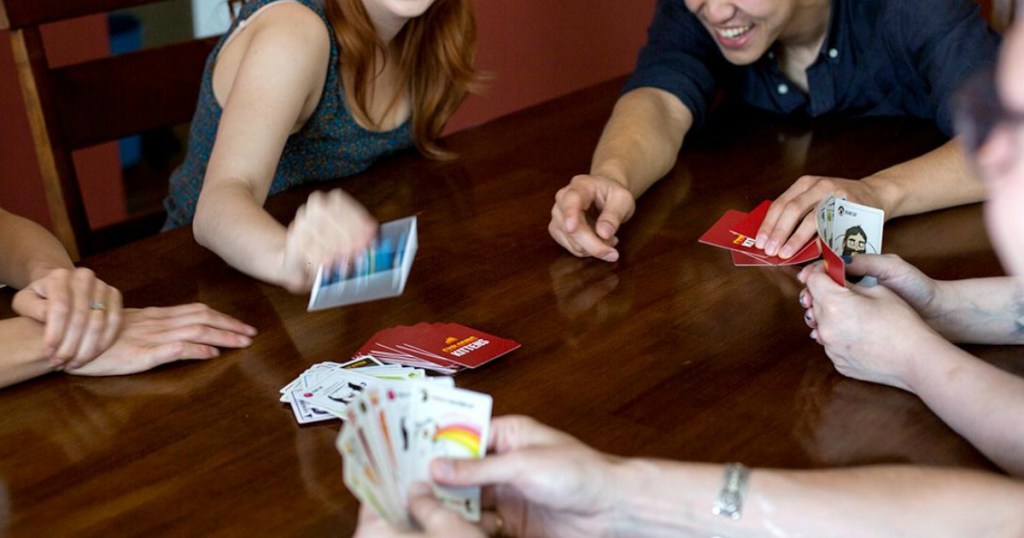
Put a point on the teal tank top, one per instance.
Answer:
(330, 145)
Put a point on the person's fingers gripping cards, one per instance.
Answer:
(393, 431)
(736, 231)
(847, 229)
(379, 272)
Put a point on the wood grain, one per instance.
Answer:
(671, 352)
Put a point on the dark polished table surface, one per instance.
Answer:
(671, 352)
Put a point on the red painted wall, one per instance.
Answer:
(535, 50)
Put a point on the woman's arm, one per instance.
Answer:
(662, 498)
(29, 251)
(278, 78)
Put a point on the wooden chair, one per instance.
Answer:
(81, 105)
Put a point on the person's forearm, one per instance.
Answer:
(938, 179)
(642, 139)
(661, 498)
(977, 400)
(979, 311)
(22, 355)
(230, 223)
(30, 252)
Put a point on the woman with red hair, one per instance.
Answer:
(299, 91)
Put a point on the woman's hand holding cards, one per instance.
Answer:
(330, 228)
(543, 482)
(870, 334)
(790, 222)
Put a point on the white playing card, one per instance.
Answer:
(380, 272)
(448, 422)
(857, 229)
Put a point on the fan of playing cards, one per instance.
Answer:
(844, 229)
(392, 432)
(379, 272)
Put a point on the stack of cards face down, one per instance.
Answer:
(379, 272)
(441, 347)
(844, 228)
(394, 430)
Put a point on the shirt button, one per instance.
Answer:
(832, 53)
(783, 89)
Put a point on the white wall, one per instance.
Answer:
(210, 17)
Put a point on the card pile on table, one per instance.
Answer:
(394, 430)
(379, 272)
(325, 390)
(441, 347)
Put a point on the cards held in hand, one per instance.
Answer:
(736, 231)
(394, 430)
(847, 229)
(379, 272)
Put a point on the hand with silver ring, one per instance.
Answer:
(81, 313)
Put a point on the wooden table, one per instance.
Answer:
(671, 352)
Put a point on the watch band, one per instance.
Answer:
(730, 499)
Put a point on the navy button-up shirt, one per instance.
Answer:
(879, 58)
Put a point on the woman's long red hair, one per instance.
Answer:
(435, 53)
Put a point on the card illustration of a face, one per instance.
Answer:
(858, 229)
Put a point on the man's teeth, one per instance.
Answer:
(733, 33)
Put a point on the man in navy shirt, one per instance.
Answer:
(852, 58)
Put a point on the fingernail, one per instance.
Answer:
(442, 468)
(419, 489)
(771, 248)
(807, 315)
(786, 252)
(760, 241)
(803, 299)
(611, 256)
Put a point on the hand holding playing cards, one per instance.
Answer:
(82, 314)
(154, 336)
(869, 333)
(570, 225)
(434, 519)
(330, 228)
(544, 482)
(790, 222)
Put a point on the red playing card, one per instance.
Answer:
(470, 347)
(448, 345)
(740, 259)
(834, 266)
(752, 223)
(721, 235)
